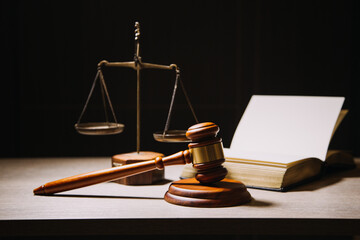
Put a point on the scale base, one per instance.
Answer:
(189, 192)
(134, 157)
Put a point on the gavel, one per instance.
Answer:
(205, 153)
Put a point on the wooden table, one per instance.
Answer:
(329, 206)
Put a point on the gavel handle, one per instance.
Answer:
(105, 175)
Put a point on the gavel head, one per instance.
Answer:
(207, 152)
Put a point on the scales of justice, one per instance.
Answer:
(209, 188)
(110, 128)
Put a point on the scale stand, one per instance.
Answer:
(107, 127)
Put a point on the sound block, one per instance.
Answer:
(189, 192)
(145, 178)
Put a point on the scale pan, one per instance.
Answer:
(99, 128)
(171, 136)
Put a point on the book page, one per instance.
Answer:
(285, 128)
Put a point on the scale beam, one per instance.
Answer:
(136, 66)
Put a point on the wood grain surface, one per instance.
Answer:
(328, 206)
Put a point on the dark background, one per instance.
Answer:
(227, 51)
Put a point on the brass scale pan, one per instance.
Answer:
(99, 128)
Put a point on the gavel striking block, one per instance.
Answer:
(207, 189)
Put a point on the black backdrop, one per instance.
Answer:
(227, 50)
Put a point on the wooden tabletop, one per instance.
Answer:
(329, 206)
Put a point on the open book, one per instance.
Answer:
(282, 141)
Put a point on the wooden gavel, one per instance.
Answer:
(205, 152)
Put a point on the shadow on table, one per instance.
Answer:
(331, 177)
(258, 203)
(101, 196)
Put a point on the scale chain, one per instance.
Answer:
(103, 89)
(104, 103)
(89, 96)
(188, 100)
(171, 103)
(107, 95)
